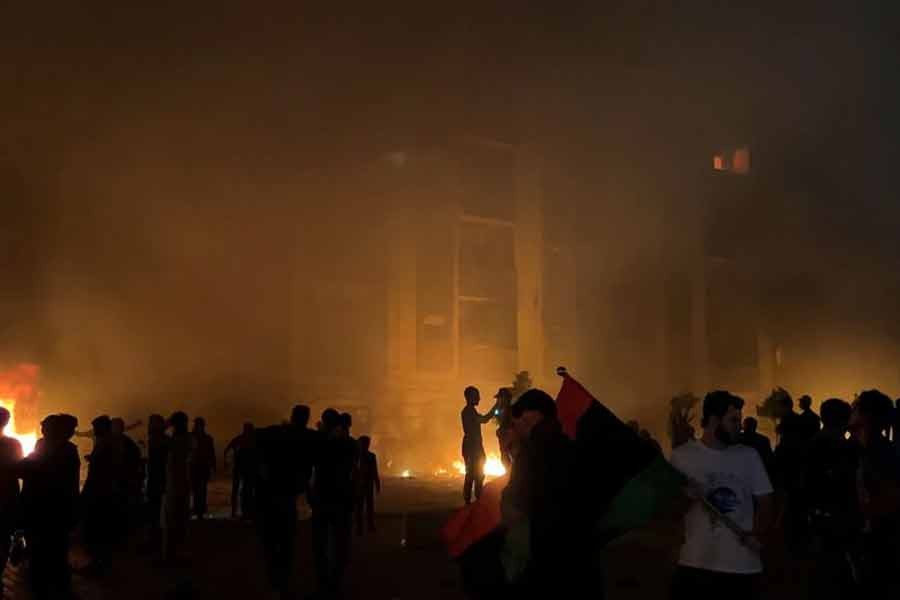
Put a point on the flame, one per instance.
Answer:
(28, 440)
(493, 466)
(406, 474)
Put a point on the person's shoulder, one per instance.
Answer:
(689, 448)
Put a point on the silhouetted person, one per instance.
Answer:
(10, 455)
(100, 497)
(503, 416)
(715, 561)
(472, 445)
(369, 483)
(203, 464)
(177, 496)
(157, 458)
(130, 475)
(810, 420)
(792, 440)
(878, 489)
(751, 437)
(543, 491)
(50, 479)
(829, 482)
(285, 454)
(244, 471)
(634, 426)
(332, 500)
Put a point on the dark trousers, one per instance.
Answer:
(243, 489)
(102, 518)
(277, 522)
(331, 545)
(474, 460)
(365, 509)
(153, 519)
(199, 484)
(700, 584)
(49, 574)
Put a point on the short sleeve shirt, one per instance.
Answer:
(730, 477)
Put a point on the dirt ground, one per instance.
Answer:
(403, 560)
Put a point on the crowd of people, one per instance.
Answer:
(155, 494)
(828, 494)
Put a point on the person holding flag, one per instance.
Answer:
(732, 509)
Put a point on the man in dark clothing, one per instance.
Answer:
(50, 496)
(503, 416)
(157, 458)
(285, 458)
(130, 477)
(472, 446)
(878, 490)
(100, 497)
(829, 482)
(331, 499)
(792, 440)
(10, 455)
(543, 491)
(811, 421)
(243, 473)
(751, 437)
(202, 465)
(369, 483)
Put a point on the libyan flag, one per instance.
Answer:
(627, 481)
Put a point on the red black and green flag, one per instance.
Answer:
(627, 479)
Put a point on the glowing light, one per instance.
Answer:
(493, 466)
(406, 474)
(27, 439)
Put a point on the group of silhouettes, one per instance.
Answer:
(828, 493)
(127, 491)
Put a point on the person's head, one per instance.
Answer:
(784, 404)
(722, 416)
(200, 425)
(472, 395)
(5, 416)
(156, 425)
(835, 415)
(533, 407)
(50, 428)
(805, 402)
(300, 415)
(179, 422)
(331, 420)
(750, 425)
(872, 413)
(68, 424)
(504, 397)
(102, 426)
(248, 429)
(346, 421)
(365, 442)
(117, 425)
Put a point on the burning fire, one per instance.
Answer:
(28, 440)
(493, 466)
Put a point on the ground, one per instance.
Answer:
(403, 560)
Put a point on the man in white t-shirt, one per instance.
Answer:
(730, 478)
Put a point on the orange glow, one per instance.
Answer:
(493, 466)
(27, 439)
